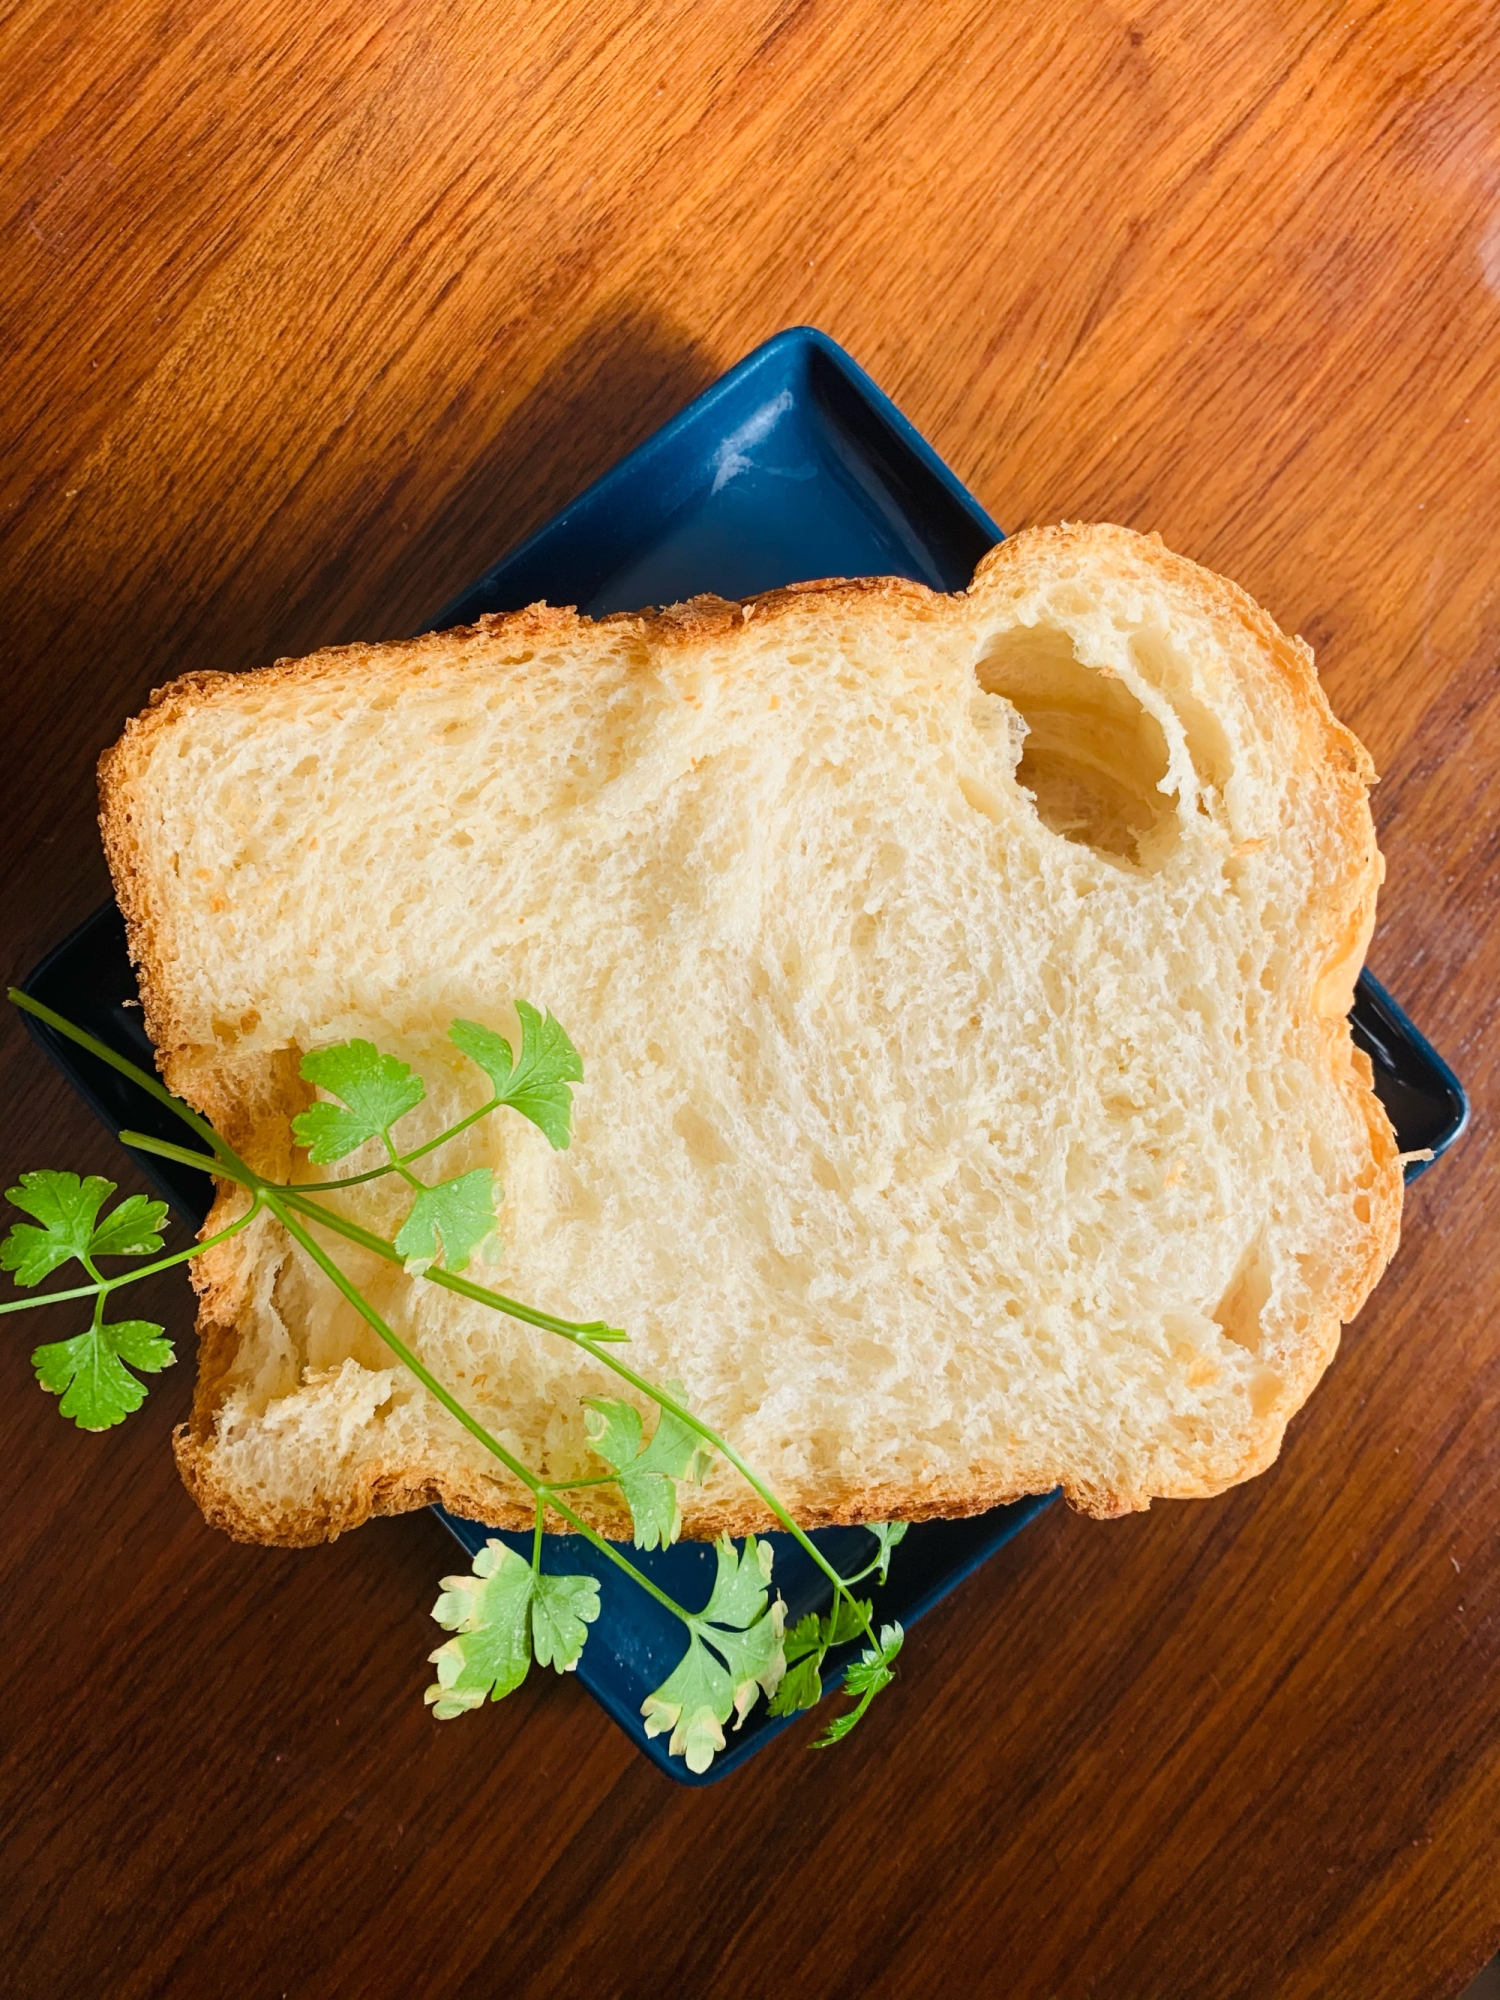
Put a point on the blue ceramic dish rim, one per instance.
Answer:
(739, 1749)
(1415, 1169)
(666, 436)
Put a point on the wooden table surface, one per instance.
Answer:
(308, 313)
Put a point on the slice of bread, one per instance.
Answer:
(969, 1104)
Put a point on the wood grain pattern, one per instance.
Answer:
(307, 314)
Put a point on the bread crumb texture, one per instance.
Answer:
(970, 1107)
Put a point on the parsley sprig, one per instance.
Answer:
(507, 1611)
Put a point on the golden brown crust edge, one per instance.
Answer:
(390, 1490)
(381, 1490)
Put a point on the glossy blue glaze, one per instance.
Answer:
(635, 1644)
(793, 465)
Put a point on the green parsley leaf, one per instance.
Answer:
(734, 1650)
(801, 1688)
(376, 1089)
(807, 1646)
(66, 1207)
(806, 1636)
(460, 1211)
(88, 1371)
(865, 1678)
(490, 1608)
(740, 1585)
(538, 1085)
(504, 1613)
(887, 1534)
(846, 1620)
(131, 1230)
(802, 1685)
(648, 1479)
(694, 1702)
(838, 1729)
(872, 1671)
(562, 1610)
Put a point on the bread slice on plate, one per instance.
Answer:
(961, 982)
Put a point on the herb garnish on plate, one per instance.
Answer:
(507, 1611)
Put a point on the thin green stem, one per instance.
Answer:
(592, 1536)
(400, 1159)
(398, 1165)
(583, 1332)
(227, 1165)
(351, 1180)
(282, 1211)
(61, 1298)
(536, 1540)
(431, 1145)
(865, 1699)
(751, 1478)
(98, 1276)
(107, 1285)
(393, 1340)
(156, 1088)
(581, 1337)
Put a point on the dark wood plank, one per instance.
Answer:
(307, 315)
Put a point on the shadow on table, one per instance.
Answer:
(609, 390)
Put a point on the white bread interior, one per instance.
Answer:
(961, 981)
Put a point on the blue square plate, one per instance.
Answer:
(793, 465)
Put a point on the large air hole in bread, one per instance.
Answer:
(1094, 759)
